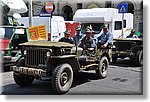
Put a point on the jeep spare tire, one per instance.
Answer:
(102, 70)
(62, 78)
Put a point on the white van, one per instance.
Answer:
(97, 17)
(57, 25)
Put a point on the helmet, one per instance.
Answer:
(88, 30)
(105, 27)
(78, 28)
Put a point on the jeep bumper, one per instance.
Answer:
(29, 71)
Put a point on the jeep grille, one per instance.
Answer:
(36, 57)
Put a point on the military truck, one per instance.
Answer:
(59, 61)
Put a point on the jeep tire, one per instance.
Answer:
(139, 58)
(62, 78)
(21, 79)
(102, 71)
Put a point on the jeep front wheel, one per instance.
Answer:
(62, 78)
(102, 71)
(21, 79)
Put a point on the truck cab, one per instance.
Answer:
(11, 34)
(10, 39)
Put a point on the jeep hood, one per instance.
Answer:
(46, 44)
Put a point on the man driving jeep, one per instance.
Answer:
(67, 38)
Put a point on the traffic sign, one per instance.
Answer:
(49, 7)
(123, 8)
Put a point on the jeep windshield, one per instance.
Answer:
(97, 27)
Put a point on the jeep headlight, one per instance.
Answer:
(3, 52)
(25, 52)
(48, 53)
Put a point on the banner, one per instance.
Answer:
(37, 33)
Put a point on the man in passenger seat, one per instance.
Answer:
(87, 42)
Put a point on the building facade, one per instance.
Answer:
(67, 8)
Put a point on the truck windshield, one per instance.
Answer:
(97, 27)
(8, 33)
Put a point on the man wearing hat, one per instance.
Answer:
(132, 34)
(93, 36)
(67, 37)
(78, 36)
(106, 38)
(87, 41)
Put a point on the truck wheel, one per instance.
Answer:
(62, 78)
(102, 71)
(20, 79)
(139, 58)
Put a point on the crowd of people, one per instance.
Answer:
(89, 40)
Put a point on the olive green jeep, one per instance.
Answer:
(58, 61)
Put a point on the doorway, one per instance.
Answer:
(67, 13)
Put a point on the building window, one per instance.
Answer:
(92, 5)
(108, 4)
(79, 5)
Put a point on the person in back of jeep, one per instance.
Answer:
(132, 34)
(105, 39)
(67, 38)
(87, 42)
(93, 36)
(78, 36)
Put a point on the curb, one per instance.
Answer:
(130, 69)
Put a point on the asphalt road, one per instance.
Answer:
(123, 78)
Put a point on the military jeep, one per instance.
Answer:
(58, 61)
(128, 47)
